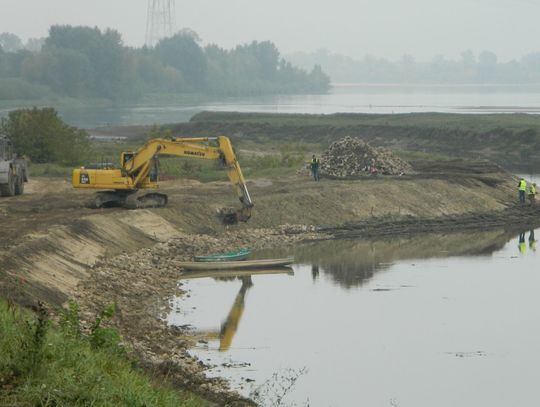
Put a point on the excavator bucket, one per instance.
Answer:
(231, 216)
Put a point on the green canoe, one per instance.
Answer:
(241, 254)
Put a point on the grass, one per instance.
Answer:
(48, 364)
(510, 140)
(49, 170)
(409, 155)
(483, 122)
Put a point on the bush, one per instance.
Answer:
(43, 137)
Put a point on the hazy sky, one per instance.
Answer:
(387, 28)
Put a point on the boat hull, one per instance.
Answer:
(236, 265)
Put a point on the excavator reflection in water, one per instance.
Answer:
(230, 325)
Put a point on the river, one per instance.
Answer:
(353, 98)
(433, 320)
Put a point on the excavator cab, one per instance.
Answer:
(125, 156)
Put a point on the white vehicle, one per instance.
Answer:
(13, 170)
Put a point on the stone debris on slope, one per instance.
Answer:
(352, 157)
(141, 285)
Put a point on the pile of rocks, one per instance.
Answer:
(352, 157)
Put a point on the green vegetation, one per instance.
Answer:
(54, 364)
(14, 89)
(408, 155)
(511, 140)
(447, 121)
(50, 170)
(86, 63)
(43, 137)
(278, 144)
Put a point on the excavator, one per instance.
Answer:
(139, 171)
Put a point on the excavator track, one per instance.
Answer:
(151, 200)
(128, 200)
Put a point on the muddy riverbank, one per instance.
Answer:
(54, 249)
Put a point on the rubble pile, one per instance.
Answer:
(352, 157)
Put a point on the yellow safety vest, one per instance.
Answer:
(532, 191)
(522, 185)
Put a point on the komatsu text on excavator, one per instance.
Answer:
(139, 170)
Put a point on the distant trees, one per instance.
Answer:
(257, 68)
(468, 68)
(183, 53)
(10, 42)
(43, 137)
(84, 62)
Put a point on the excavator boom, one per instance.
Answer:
(138, 170)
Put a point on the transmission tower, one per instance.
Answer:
(160, 21)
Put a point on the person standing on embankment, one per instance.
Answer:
(522, 186)
(315, 167)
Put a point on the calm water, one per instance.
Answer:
(429, 321)
(342, 98)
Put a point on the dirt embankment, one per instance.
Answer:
(53, 248)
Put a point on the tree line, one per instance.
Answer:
(469, 68)
(85, 62)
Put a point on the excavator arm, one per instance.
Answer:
(136, 168)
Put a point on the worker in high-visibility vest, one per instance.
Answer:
(532, 194)
(522, 186)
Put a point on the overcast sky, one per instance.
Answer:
(386, 28)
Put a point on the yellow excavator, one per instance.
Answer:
(139, 170)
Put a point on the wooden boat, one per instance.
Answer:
(236, 265)
(190, 275)
(238, 255)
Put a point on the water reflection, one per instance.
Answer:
(522, 244)
(389, 314)
(353, 263)
(230, 324)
